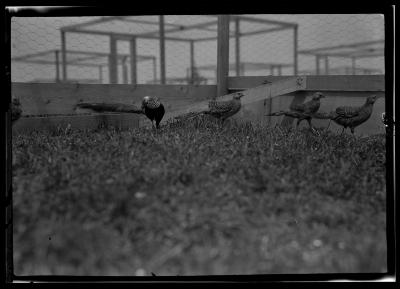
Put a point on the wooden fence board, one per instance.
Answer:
(316, 82)
(56, 98)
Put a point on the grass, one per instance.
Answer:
(198, 198)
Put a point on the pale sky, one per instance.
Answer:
(36, 34)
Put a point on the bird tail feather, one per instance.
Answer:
(288, 113)
(323, 115)
(189, 115)
(109, 107)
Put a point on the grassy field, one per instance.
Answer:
(198, 198)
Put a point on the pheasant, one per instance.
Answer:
(15, 109)
(151, 107)
(219, 109)
(350, 116)
(302, 111)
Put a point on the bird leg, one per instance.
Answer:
(298, 122)
(342, 130)
(352, 130)
(309, 123)
(328, 124)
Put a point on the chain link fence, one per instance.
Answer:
(126, 49)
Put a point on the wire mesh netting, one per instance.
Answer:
(101, 49)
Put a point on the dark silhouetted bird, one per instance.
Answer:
(219, 109)
(350, 116)
(151, 107)
(15, 108)
(303, 111)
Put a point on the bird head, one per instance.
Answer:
(372, 98)
(150, 102)
(238, 95)
(146, 99)
(318, 95)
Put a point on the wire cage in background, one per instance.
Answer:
(97, 61)
(352, 52)
(182, 49)
(180, 43)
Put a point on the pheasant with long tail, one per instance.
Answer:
(151, 107)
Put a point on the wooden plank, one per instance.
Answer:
(192, 64)
(57, 60)
(64, 56)
(346, 82)
(59, 98)
(175, 29)
(113, 61)
(326, 65)
(124, 73)
(265, 21)
(245, 82)
(124, 36)
(122, 121)
(237, 46)
(100, 74)
(295, 50)
(263, 31)
(133, 60)
(317, 82)
(101, 20)
(162, 48)
(352, 45)
(32, 55)
(223, 55)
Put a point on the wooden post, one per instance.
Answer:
(353, 65)
(154, 69)
(124, 71)
(162, 49)
(113, 61)
(295, 50)
(100, 73)
(279, 70)
(192, 62)
(132, 46)
(223, 55)
(64, 56)
(326, 65)
(57, 66)
(317, 64)
(237, 45)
